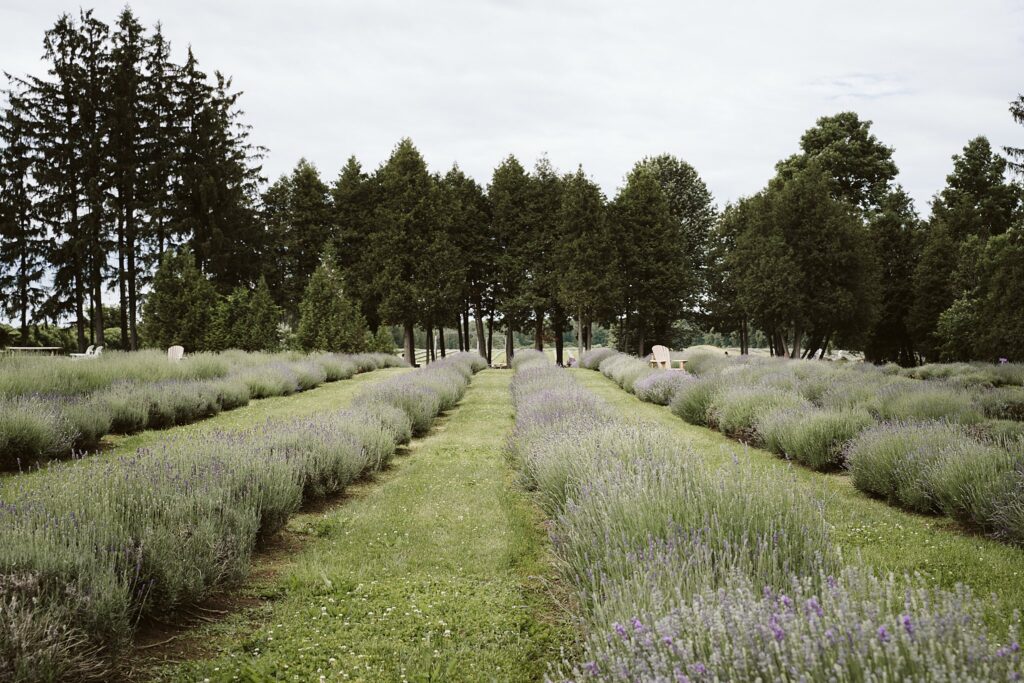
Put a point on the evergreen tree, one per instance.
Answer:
(328, 319)
(128, 141)
(298, 220)
(352, 197)
(976, 203)
(218, 176)
(805, 268)
(725, 311)
(539, 245)
(180, 306)
(403, 227)
(656, 278)
(23, 243)
(896, 235)
(263, 320)
(588, 283)
(466, 222)
(509, 195)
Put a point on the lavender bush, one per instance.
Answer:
(686, 573)
(173, 394)
(86, 550)
(661, 386)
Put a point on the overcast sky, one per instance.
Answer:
(727, 86)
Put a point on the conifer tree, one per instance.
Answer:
(128, 143)
(588, 284)
(23, 243)
(402, 230)
(298, 220)
(509, 195)
(328, 319)
(180, 306)
(352, 197)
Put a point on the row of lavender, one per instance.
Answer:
(78, 402)
(923, 446)
(87, 549)
(685, 573)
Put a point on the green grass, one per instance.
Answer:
(430, 572)
(868, 531)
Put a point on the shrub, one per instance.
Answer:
(929, 402)
(33, 429)
(736, 410)
(661, 386)
(813, 438)
(591, 359)
(706, 362)
(931, 467)
(625, 370)
(693, 400)
(1004, 403)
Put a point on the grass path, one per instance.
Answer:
(869, 531)
(428, 573)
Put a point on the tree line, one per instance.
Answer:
(123, 172)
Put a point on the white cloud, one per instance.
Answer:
(728, 86)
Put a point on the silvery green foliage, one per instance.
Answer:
(684, 572)
(88, 548)
(918, 438)
(123, 393)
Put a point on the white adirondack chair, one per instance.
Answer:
(97, 351)
(661, 358)
(88, 352)
(175, 353)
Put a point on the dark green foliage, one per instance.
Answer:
(298, 218)
(328, 319)
(656, 277)
(859, 165)
(403, 227)
(589, 286)
(352, 205)
(181, 304)
(895, 233)
(245, 320)
(803, 261)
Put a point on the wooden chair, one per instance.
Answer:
(88, 352)
(175, 353)
(661, 357)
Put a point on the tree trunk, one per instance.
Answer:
(133, 293)
(490, 339)
(579, 334)
(559, 343)
(122, 285)
(409, 340)
(465, 324)
(458, 326)
(538, 331)
(797, 338)
(481, 342)
(824, 347)
(429, 330)
(640, 342)
(97, 304)
(510, 350)
(744, 338)
(80, 312)
(440, 340)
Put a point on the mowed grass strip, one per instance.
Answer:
(869, 531)
(436, 570)
(328, 396)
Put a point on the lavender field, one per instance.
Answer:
(688, 571)
(89, 548)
